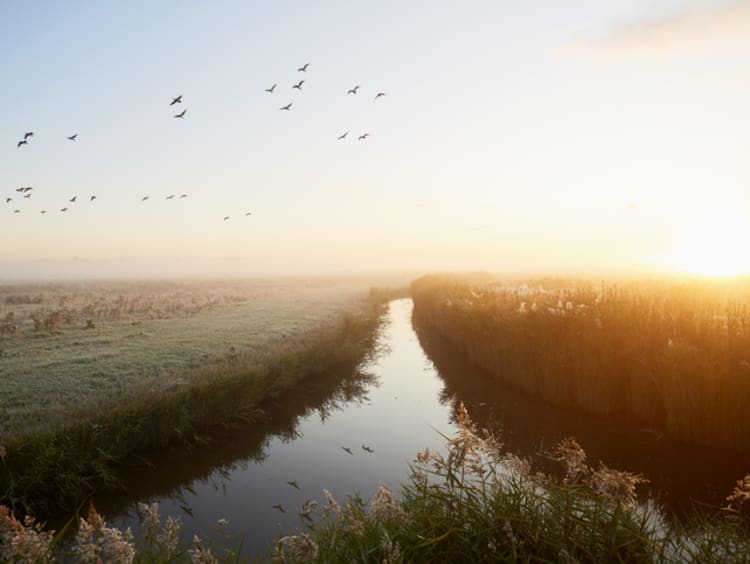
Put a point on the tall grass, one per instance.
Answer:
(472, 502)
(58, 469)
(667, 354)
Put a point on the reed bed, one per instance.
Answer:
(471, 502)
(670, 355)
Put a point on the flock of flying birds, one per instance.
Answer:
(26, 191)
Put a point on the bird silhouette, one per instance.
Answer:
(248, 213)
(63, 209)
(73, 199)
(177, 100)
(303, 68)
(27, 135)
(27, 196)
(144, 198)
(353, 90)
(270, 90)
(342, 136)
(226, 217)
(368, 449)
(92, 198)
(73, 137)
(279, 507)
(347, 449)
(187, 509)
(379, 95)
(8, 200)
(20, 189)
(363, 137)
(43, 211)
(170, 196)
(16, 211)
(287, 107)
(24, 142)
(298, 86)
(181, 114)
(293, 483)
(183, 196)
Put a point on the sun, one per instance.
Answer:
(713, 245)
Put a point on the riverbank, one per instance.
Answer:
(672, 357)
(471, 501)
(58, 469)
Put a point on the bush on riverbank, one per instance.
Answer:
(475, 503)
(58, 469)
(669, 355)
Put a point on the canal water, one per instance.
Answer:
(396, 404)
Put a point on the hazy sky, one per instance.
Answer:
(538, 136)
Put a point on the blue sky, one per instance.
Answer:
(513, 136)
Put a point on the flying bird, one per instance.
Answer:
(287, 107)
(170, 196)
(8, 200)
(363, 137)
(21, 189)
(298, 86)
(24, 142)
(181, 114)
(342, 136)
(379, 95)
(72, 137)
(279, 507)
(303, 68)
(92, 198)
(347, 449)
(27, 196)
(27, 188)
(144, 198)
(248, 213)
(353, 90)
(226, 217)
(63, 209)
(183, 196)
(27, 135)
(16, 211)
(73, 199)
(177, 100)
(43, 211)
(270, 90)
(368, 449)
(293, 483)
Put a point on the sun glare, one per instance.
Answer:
(714, 246)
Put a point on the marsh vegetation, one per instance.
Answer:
(674, 356)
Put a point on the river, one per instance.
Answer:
(397, 404)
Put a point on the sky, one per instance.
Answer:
(538, 137)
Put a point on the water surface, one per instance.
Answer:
(397, 404)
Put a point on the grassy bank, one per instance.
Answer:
(108, 342)
(471, 502)
(57, 469)
(674, 356)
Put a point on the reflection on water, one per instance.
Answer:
(677, 473)
(396, 405)
(391, 405)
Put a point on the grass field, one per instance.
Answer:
(667, 354)
(144, 335)
(75, 402)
